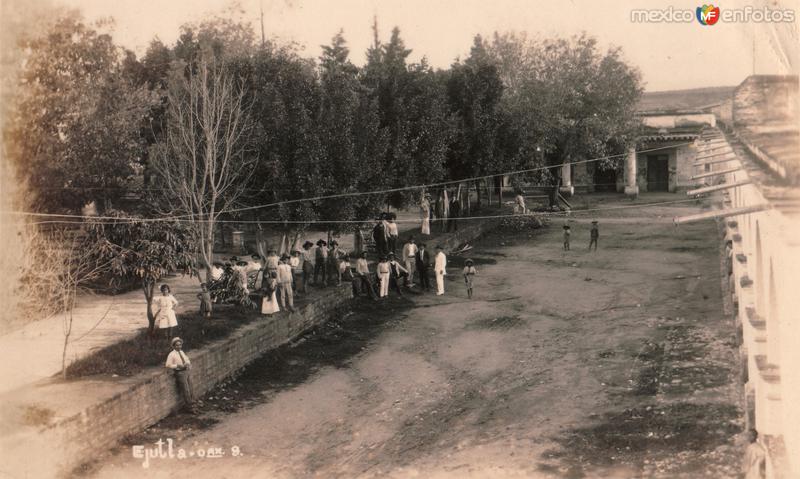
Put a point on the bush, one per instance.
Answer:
(522, 223)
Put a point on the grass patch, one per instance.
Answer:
(131, 356)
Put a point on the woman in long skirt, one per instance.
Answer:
(269, 304)
(425, 214)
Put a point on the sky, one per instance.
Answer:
(669, 55)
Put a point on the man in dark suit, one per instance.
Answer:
(423, 258)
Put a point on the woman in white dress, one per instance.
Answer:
(425, 214)
(269, 303)
(165, 310)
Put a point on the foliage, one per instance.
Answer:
(74, 131)
(142, 250)
(566, 97)
(522, 223)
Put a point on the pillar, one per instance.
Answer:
(631, 187)
(566, 188)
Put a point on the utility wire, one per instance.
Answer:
(194, 217)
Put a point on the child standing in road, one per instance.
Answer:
(566, 237)
(469, 274)
(593, 235)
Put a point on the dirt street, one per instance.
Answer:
(618, 363)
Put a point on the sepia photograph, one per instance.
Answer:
(438, 239)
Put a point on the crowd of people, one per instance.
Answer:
(278, 278)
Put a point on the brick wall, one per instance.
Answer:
(148, 397)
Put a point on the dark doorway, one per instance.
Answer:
(605, 179)
(657, 172)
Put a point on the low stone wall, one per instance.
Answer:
(117, 407)
(148, 397)
(467, 231)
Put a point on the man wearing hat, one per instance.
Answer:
(396, 271)
(469, 274)
(423, 261)
(440, 269)
(334, 255)
(363, 275)
(285, 292)
(409, 259)
(321, 263)
(379, 236)
(308, 260)
(178, 362)
(593, 235)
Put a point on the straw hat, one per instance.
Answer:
(175, 340)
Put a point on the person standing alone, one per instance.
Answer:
(179, 363)
(594, 234)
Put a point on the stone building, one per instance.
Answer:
(761, 207)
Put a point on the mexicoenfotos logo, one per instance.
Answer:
(710, 15)
(707, 14)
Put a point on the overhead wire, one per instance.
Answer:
(194, 217)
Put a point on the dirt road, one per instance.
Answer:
(618, 363)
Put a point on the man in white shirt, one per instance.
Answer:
(285, 292)
(440, 269)
(410, 260)
(363, 275)
(179, 362)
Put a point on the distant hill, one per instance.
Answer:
(691, 99)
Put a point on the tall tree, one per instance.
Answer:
(284, 92)
(570, 99)
(205, 162)
(474, 92)
(75, 127)
(354, 143)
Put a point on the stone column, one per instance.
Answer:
(566, 188)
(631, 188)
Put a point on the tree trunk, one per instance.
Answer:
(147, 287)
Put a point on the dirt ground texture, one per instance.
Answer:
(615, 363)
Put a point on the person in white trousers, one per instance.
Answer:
(440, 268)
(383, 270)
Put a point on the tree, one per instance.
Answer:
(205, 162)
(285, 98)
(74, 133)
(351, 138)
(414, 114)
(474, 93)
(60, 265)
(142, 250)
(568, 99)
